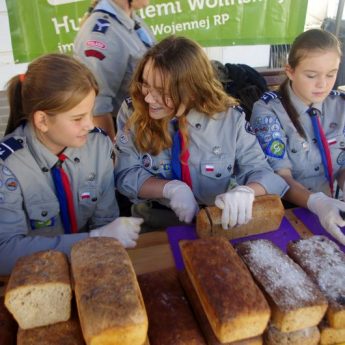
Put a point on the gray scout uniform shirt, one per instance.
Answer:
(111, 49)
(223, 153)
(286, 149)
(29, 209)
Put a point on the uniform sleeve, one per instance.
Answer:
(251, 164)
(129, 172)
(270, 134)
(107, 57)
(107, 208)
(14, 241)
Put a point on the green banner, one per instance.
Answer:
(43, 26)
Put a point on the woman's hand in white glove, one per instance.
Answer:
(124, 229)
(328, 211)
(182, 200)
(237, 205)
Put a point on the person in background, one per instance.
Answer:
(301, 128)
(186, 143)
(110, 42)
(56, 168)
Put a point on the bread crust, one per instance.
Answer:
(234, 305)
(39, 291)
(296, 302)
(110, 305)
(8, 326)
(171, 321)
(268, 212)
(324, 262)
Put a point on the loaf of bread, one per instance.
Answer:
(233, 304)
(296, 302)
(8, 326)
(202, 318)
(306, 336)
(268, 212)
(62, 333)
(329, 335)
(171, 321)
(39, 290)
(324, 262)
(110, 305)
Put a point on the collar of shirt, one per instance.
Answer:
(43, 157)
(117, 11)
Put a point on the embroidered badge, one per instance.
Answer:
(276, 135)
(2, 198)
(275, 148)
(333, 125)
(96, 44)
(146, 161)
(91, 177)
(40, 224)
(101, 26)
(85, 195)
(249, 128)
(11, 184)
(94, 53)
(268, 96)
(209, 167)
(123, 138)
(165, 165)
(341, 158)
(332, 141)
(217, 150)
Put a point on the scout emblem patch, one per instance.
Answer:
(146, 161)
(101, 26)
(40, 224)
(275, 148)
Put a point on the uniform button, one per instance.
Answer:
(218, 175)
(314, 141)
(294, 151)
(76, 160)
(155, 168)
(45, 169)
(197, 125)
(317, 169)
(342, 144)
(94, 199)
(20, 141)
(44, 213)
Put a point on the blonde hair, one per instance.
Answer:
(190, 80)
(53, 83)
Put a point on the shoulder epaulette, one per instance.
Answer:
(269, 95)
(98, 130)
(240, 109)
(129, 102)
(337, 93)
(9, 146)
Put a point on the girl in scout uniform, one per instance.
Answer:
(186, 143)
(110, 42)
(301, 128)
(56, 168)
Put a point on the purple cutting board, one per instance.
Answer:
(311, 221)
(279, 237)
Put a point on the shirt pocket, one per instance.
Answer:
(88, 196)
(217, 168)
(43, 215)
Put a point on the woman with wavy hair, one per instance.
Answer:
(183, 142)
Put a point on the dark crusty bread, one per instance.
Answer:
(306, 336)
(234, 305)
(171, 321)
(268, 212)
(330, 336)
(62, 333)
(39, 290)
(110, 306)
(324, 262)
(8, 326)
(202, 318)
(296, 302)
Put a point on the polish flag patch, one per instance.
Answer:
(209, 167)
(332, 141)
(85, 195)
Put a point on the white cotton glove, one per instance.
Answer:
(237, 205)
(182, 200)
(327, 209)
(124, 229)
